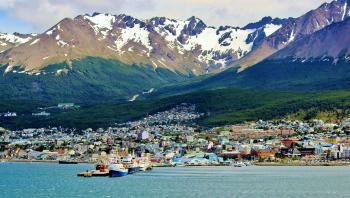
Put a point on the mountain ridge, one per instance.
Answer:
(187, 55)
(307, 24)
(185, 46)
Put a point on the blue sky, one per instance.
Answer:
(35, 16)
(11, 24)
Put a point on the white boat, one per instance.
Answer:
(239, 164)
(145, 167)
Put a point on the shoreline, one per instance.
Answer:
(317, 164)
(42, 161)
(271, 164)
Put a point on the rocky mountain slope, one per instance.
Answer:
(104, 57)
(309, 23)
(188, 46)
(319, 61)
(330, 42)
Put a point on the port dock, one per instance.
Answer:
(93, 174)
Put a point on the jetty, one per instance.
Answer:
(93, 174)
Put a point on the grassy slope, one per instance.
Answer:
(282, 75)
(91, 80)
(221, 107)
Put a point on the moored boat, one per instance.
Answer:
(117, 170)
(67, 162)
(239, 164)
(143, 167)
(133, 169)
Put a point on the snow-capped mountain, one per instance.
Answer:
(186, 46)
(115, 57)
(11, 40)
(183, 46)
(294, 29)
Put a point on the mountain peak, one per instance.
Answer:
(194, 26)
(193, 19)
(267, 20)
(297, 28)
(185, 45)
(328, 42)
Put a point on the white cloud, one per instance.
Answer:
(42, 14)
(7, 3)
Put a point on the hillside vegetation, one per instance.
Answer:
(226, 106)
(277, 75)
(89, 80)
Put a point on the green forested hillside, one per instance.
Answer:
(90, 80)
(279, 75)
(221, 107)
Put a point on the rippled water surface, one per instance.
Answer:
(55, 180)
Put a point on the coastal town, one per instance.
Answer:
(172, 138)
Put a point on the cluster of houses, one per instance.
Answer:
(172, 138)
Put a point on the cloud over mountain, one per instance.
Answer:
(41, 14)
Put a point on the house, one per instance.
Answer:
(264, 153)
(337, 151)
(293, 152)
(288, 142)
(189, 138)
(143, 135)
(346, 153)
(306, 151)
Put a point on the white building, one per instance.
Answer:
(143, 135)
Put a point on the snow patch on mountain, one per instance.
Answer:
(35, 41)
(50, 32)
(136, 34)
(11, 38)
(171, 29)
(344, 10)
(218, 46)
(101, 23)
(291, 37)
(60, 42)
(271, 28)
(209, 40)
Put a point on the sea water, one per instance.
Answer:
(57, 180)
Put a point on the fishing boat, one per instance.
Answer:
(133, 168)
(248, 163)
(145, 167)
(101, 167)
(117, 170)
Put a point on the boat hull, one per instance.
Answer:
(144, 168)
(133, 170)
(116, 173)
(67, 162)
